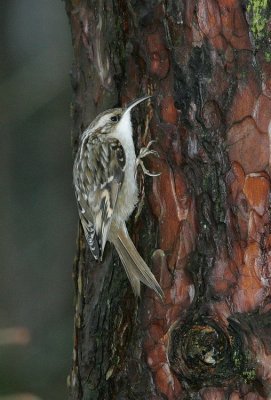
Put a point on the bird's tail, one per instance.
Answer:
(135, 267)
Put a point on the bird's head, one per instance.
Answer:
(115, 118)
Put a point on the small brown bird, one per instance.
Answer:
(104, 175)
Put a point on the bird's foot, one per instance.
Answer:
(144, 152)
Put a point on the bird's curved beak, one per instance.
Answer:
(135, 103)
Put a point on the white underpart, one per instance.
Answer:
(128, 196)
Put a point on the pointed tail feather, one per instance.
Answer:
(126, 262)
(135, 267)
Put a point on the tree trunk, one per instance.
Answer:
(203, 225)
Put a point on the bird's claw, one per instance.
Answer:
(145, 170)
(144, 152)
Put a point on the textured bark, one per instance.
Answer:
(204, 224)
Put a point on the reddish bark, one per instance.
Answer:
(205, 224)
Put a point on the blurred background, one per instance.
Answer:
(38, 220)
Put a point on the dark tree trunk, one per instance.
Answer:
(203, 226)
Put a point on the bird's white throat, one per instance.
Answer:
(124, 132)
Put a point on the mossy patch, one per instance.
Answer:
(259, 13)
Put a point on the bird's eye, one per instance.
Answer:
(115, 118)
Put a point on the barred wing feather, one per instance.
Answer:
(98, 178)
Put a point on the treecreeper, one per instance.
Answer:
(104, 176)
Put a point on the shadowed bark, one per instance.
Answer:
(203, 225)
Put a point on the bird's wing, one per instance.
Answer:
(98, 176)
